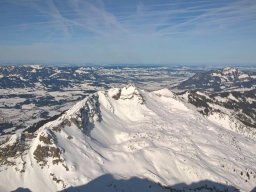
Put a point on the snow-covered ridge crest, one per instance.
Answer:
(232, 74)
(227, 73)
(164, 93)
(230, 70)
(82, 113)
(87, 111)
(163, 139)
(128, 92)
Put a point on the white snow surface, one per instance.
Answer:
(151, 135)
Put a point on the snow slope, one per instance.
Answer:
(232, 110)
(127, 133)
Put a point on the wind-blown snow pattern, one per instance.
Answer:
(127, 133)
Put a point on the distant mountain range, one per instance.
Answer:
(227, 79)
(60, 78)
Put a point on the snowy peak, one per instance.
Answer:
(164, 93)
(44, 142)
(231, 71)
(230, 74)
(127, 132)
(128, 92)
(226, 79)
(86, 112)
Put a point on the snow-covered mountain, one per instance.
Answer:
(221, 80)
(126, 133)
(225, 96)
(234, 110)
(32, 93)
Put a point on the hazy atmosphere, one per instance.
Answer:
(127, 32)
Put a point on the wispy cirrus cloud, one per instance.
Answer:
(142, 31)
(165, 18)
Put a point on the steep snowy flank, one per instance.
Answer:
(233, 110)
(126, 132)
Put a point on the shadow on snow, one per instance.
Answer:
(107, 183)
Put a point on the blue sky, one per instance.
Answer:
(211, 32)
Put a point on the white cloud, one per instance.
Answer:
(159, 19)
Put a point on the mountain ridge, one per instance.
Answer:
(219, 80)
(128, 132)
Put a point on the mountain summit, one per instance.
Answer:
(219, 80)
(127, 132)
